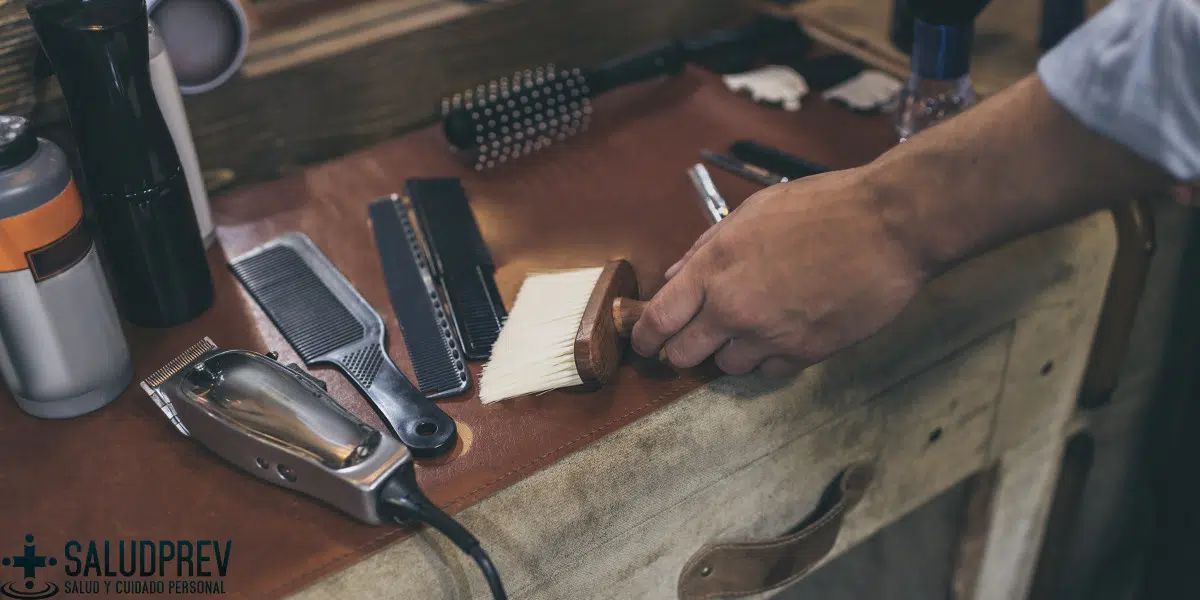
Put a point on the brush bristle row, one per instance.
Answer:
(512, 117)
(535, 351)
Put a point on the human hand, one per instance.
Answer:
(799, 271)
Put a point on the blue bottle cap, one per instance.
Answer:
(942, 52)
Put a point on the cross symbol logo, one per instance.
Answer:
(30, 561)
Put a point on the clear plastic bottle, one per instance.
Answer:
(939, 85)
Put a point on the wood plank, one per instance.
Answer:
(359, 86)
(374, 70)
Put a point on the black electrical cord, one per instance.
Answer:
(402, 501)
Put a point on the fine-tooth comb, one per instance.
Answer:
(460, 260)
(325, 319)
(433, 348)
(506, 119)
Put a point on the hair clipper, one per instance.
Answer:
(280, 424)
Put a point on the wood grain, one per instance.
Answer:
(599, 345)
(313, 89)
(626, 313)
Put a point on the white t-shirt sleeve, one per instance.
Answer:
(1132, 73)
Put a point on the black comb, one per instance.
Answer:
(775, 160)
(432, 345)
(328, 322)
(460, 260)
(505, 119)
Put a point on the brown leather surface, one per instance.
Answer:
(733, 569)
(619, 191)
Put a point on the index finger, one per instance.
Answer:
(700, 241)
(667, 312)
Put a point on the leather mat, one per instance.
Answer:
(619, 190)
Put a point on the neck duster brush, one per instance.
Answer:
(566, 329)
(512, 117)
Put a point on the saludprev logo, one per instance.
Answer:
(29, 561)
(117, 567)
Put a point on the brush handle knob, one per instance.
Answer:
(626, 312)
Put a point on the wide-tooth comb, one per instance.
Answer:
(508, 118)
(327, 321)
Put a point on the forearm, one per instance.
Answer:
(1016, 164)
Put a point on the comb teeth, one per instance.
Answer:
(462, 259)
(436, 360)
(477, 316)
(512, 117)
(308, 314)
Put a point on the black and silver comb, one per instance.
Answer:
(433, 348)
(509, 118)
(327, 322)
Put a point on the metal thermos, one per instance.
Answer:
(62, 349)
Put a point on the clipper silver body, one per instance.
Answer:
(278, 423)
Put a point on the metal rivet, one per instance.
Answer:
(705, 571)
(286, 473)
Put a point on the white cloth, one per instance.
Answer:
(1132, 73)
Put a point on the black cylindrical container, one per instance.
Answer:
(901, 30)
(99, 50)
(947, 12)
(1059, 19)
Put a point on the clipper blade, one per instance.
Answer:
(508, 118)
(151, 384)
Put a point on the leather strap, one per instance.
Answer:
(744, 568)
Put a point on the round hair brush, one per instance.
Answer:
(511, 117)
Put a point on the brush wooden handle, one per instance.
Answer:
(626, 312)
(607, 322)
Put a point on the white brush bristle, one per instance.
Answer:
(535, 351)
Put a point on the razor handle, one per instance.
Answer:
(418, 422)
